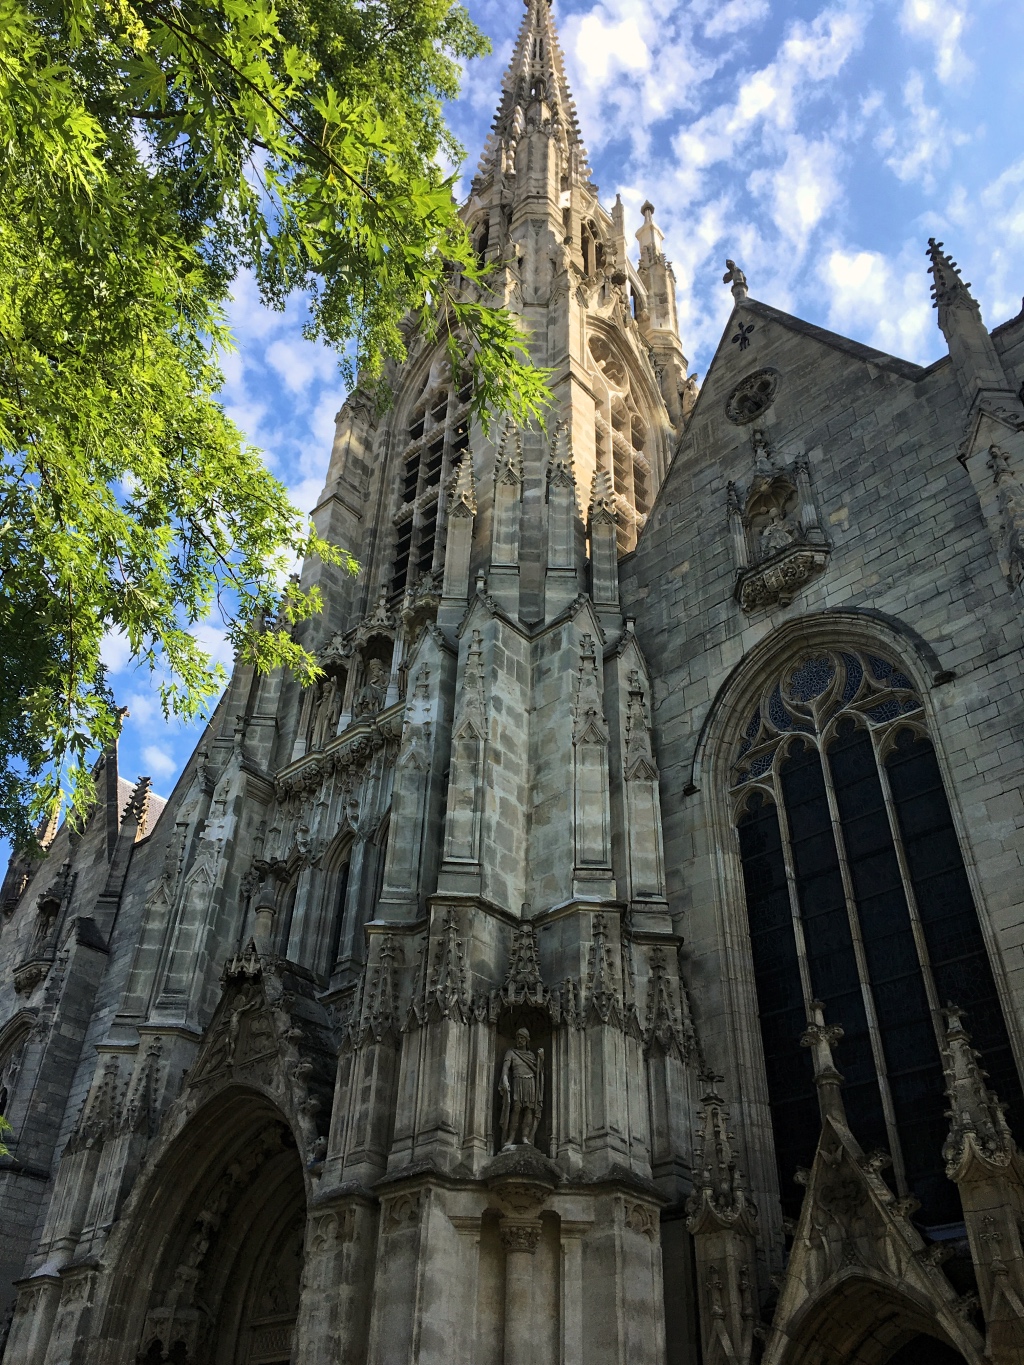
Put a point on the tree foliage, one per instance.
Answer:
(150, 150)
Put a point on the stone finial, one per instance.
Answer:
(735, 276)
(603, 502)
(446, 994)
(380, 1006)
(602, 1000)
(560, 467)
(462, 497)
(978, 1127)
(949, 290)
(508, 463)
(137, 807)
(523, 982)
(821, 1038)
(719, 1197)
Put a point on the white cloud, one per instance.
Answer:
(214, 640)
(115, 651)
(602, 47)
(734, 16)
(632, 64)
(942, 24)
(158, 762)
(882, 300)
(767, 100)
(300, 362)
(921, 145)
(803, 188)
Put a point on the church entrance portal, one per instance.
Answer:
(226, 1243)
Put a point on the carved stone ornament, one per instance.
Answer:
(752, 396)
(520, 1236)
(779, 580)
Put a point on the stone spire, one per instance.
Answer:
(535, 77)
(971, 349)
(820, 1038)
(723, 1222)
(978, 1127)
(982, 1158)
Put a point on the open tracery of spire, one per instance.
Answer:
(535, 75)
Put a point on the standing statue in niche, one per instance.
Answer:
(370, 697)
(521, 1086)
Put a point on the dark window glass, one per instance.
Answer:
(911, 1052)
(339, 919)
(779, 997)
(959, 960)
(835, 980)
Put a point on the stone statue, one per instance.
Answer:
(521, 1087)
(327, 714)
(734, 276)
(775, 534)
(370, 697)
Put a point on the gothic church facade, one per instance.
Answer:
(619, 954)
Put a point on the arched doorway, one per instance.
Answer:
(925, 1350)
(211, 1273)
(863, 1318)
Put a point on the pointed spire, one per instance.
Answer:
(603, 502)
(462, 497)
(821, 1038)
(523, 982)
(508, 463)
(560, 467)
(589, 724)
(536, 74)
(948, 288)
(380, 1008)
(977, 1124)
(602, 995)
(447, 996)
(719, 1197)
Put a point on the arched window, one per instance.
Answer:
(437, 434)
(857, 896)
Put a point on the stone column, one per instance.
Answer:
(519, 1237)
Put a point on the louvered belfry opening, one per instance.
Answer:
(857, 895)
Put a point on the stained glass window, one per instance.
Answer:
(857, 896)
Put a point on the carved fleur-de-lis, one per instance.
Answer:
(743, 335)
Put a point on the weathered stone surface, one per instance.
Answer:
(263, 1047)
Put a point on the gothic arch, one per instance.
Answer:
(861, 1320)
(713, 784)
(13, 1037)
(206, 1258)
(335, 898)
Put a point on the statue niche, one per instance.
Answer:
(778, 541)
(522, 1086)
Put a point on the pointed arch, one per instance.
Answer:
(206, 1259)
(824, 889)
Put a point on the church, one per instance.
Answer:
(618, 954)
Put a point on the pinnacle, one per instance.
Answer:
(947, 284)
(536, 73)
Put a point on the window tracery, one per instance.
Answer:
(436, 435)
(857, 895)
(624, 441)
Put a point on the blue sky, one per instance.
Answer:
(819, 144)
